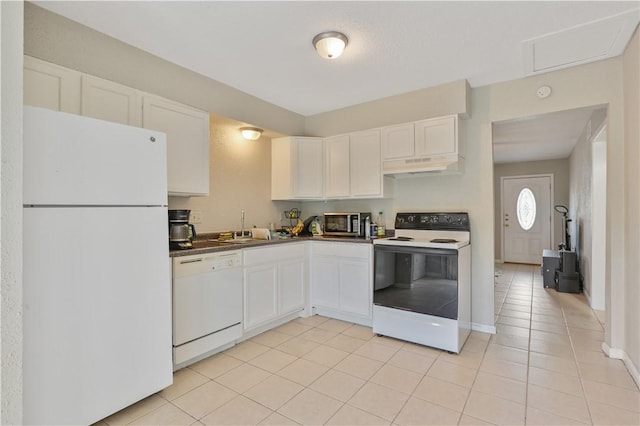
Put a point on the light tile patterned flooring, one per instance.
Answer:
(544, 366)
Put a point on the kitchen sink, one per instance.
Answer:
(238, 241)
(205, 243)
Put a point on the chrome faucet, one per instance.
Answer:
(242, 226)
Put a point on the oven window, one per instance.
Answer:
(417, 279)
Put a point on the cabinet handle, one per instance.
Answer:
(182, 262)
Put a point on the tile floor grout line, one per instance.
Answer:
(526, 389)
(575, 359)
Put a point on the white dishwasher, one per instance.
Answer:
(207, 304)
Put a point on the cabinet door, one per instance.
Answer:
(398, 141)
(260, 290)
(325, 282)
(109, 101)
(337, 181)
(366, 164)
(187, 132)
(308, 162)
(355, 288)
(290, 286)
(436, 137)
(51, 86)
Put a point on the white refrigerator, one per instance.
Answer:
(97, 281)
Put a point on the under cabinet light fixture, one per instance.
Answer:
(330, 44)
(251, 133)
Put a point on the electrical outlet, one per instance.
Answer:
(196, 216)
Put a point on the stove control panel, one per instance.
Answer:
(433, 221)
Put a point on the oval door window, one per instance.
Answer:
(526, 209)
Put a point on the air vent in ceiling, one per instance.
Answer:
(593, 41)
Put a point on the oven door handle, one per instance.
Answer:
(414, 249)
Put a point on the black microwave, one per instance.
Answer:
(346, 224)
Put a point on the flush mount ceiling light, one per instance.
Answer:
(330, 44)
(251, 133)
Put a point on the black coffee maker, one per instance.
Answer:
(181, 233)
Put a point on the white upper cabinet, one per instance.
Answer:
(436, 137)
(297, 168)
(109, 101)
(337, 168)
(423, 146)
(366, 164)
(308, 165)
(51, 86)
(352, 167)
(187, 132)
(58, 88)
(398, 141)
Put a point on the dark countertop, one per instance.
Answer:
(212, 246)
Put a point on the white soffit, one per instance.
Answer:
(593, 41)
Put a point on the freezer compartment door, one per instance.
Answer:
(97, 311)
(74, 160)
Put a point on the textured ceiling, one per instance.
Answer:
(264, 48)
(542, 137)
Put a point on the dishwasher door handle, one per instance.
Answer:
(184, 262)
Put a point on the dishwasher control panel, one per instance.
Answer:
(185, 266)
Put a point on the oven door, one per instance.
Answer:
(417, 279)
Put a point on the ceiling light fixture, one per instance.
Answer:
(251, 133)
(330, 44)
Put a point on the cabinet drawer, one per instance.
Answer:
(352, 250)
(271, 254)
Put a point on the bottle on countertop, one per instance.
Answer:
(374, 230)
(382, 231)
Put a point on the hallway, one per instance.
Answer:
(552, 341)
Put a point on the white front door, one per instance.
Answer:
(526, 218)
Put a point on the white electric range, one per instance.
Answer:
(422, 280)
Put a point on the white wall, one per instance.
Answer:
(596, 293)
(581, 167)
(631, 291)
(446, 99)
(11, 35)
(239, 179)
(560, 171)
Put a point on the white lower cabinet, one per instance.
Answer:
(274, 283)
(341, 280)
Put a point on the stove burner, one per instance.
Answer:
(401, 239)
(444, 240)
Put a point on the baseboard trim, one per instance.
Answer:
(587, 294)
(622, 355)
(491, 329)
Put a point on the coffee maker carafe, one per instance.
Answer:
(180, 231)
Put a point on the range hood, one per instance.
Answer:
(453, 164)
